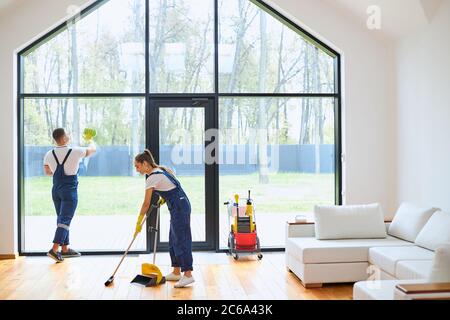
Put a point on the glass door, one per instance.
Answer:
(177, 139)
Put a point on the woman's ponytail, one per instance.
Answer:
(147, 156)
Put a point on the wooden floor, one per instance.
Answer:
(217, 277)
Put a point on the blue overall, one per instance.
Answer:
(180, 238)
(65, 199)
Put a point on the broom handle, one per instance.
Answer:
(156, 234)
(132, 241)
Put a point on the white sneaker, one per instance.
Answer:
(173, 277)
(184, 281)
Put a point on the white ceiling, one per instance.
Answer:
(398, 17)
(4, 3)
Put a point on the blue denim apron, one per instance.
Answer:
(65, 199)
(180, 238)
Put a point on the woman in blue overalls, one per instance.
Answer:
(163, 182)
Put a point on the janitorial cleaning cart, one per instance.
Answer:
(243, 237)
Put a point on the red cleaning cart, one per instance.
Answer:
(243, 237)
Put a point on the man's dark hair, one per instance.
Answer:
(58, 134)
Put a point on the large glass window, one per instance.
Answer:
(110, 192)
(100, 52)
(273, 96)
(182, 46)
(259, 54)
(282, 150)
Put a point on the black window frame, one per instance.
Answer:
(148, 96)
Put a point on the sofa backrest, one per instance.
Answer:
(435, 232)
(349, 222)
(409, 220)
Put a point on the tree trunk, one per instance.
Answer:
(134, 143)
(262, 112)
(74, 66)
(156, 55)
(241, 30)
(318, 110)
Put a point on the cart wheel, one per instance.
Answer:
(235, 256)
(231, 244)
(258, 247)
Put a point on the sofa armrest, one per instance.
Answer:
(300, 229)
(422, 291)
(424, 288)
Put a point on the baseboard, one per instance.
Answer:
(8, 256)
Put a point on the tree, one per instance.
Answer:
(74, 70)
(262, 114)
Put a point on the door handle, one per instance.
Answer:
(197, 101)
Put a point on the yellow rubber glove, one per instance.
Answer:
(139, 225)
(161, 201)
(89, 134)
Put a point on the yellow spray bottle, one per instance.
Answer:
(236, 204)
(249, 211)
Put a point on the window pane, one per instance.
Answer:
(181, 147)
(110, 193)
(102, 52)
(182, 46)
(283, 151)
(260, 54)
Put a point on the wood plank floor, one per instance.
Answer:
(217, 277)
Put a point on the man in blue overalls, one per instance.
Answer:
(162, 181)
(63, 163)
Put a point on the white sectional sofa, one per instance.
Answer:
(316, 258)
(316, 262)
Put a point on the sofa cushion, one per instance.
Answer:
(440, 270)
(349, 222)
(312, 250)
(386, 258)
(409, 220)
(413, 269)
(435, 232)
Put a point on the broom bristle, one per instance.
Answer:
(109, 281)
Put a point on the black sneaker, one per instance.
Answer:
(55, 256)
(70, 254)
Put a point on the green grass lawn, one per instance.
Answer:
(285, 192)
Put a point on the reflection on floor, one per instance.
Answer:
(217, 276)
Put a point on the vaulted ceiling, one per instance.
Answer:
(398, 17)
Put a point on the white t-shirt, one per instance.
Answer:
(159, 181)
(73, 161)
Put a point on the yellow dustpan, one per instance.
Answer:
(151, 275)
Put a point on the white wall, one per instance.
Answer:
(423, 82)
(368, 105)
(19, 23)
